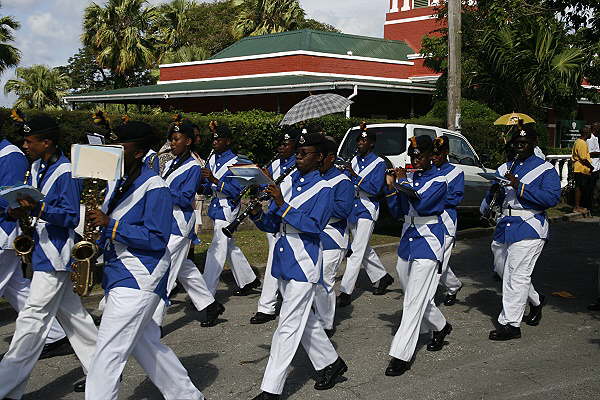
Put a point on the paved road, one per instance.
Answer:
(557, 360)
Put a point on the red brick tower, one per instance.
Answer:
(410, 20)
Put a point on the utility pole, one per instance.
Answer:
(454, 71)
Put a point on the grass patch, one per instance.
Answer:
(254, 245)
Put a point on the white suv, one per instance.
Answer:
(392, 142)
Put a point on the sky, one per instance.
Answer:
(50, 29)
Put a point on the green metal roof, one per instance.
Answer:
(318, 41)
(232, 87)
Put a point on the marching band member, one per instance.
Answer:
(222, 210)
(268, 296)
(420, 253)
(136, 221)
(51, 294)
(335, 236)
(13, 285)
(298, 220)
(455, 179)
(182, 175)
(367, 172)
(522, 231)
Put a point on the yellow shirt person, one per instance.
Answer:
(581, 152)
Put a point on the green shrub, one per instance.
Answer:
(257, 132)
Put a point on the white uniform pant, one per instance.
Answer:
(51, 296)
(362, 255)
(186, 272)
(15, 289)
(325, 298)
(420, 278)
(514, 262)
(221, 249)
(297, 324)
(268, 294)
(127, 329)
(448, 279)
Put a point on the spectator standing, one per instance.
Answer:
(582, 170)
(594, 149)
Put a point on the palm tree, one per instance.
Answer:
(9, 55)
(175, 34)
(38, 87)
(261, 17)
(530, 66)
(120, 33)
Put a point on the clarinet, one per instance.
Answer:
(230, 229)
(491, 213)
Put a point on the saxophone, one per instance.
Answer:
(85, 252)
(23, 243)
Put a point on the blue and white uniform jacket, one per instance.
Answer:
(13, 165)
(280, 166)
(135, 240)
(423, 230)
(368, 183)
(222, 205)
(57, 215)
(183, 183)
(523, 210)
(335, 235)
(455, 178)
(298, 224)
(151, 160)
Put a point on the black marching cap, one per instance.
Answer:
(185, 128)
(330, 146)
(222, 132)
(420, 144)
(525, 131)
(39, 125)
(133, 132)
(311, 139)
(441, 144)
(290, 134)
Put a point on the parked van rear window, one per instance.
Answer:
(391, 140)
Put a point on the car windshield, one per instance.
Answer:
(391, 140)
(460, 151)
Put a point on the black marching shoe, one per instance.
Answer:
(246, 290)
(213, 310)
(344, 299)
(266, 396)
(535, 313)
(595, 306)
(450, 299)
(61, 347)
(384, 282)
(437, 342)
(79, 387)
(329, 376)
(330, 332)
(261, 318)
(397, 367)
(505, 332)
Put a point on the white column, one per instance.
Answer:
(405, 5)
(394, 6)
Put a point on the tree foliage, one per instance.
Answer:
(9, 54)
(38, 87)
(517, 55)
(120, 34)
(261, 17)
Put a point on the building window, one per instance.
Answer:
(420, 3)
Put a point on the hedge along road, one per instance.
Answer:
(559, 359)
